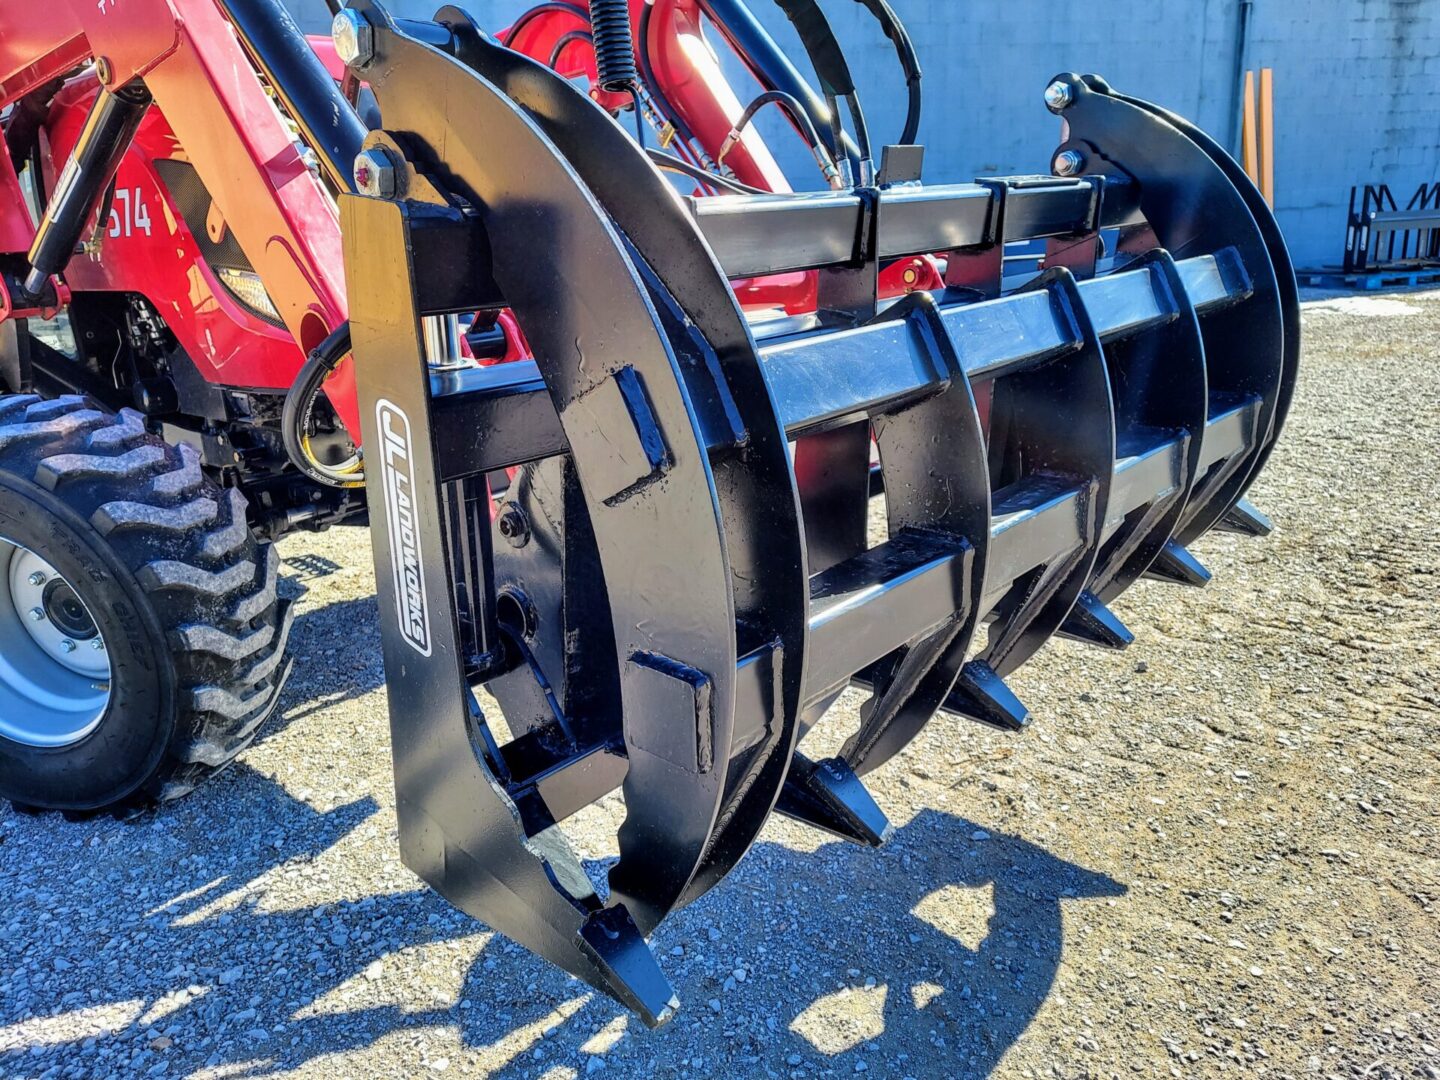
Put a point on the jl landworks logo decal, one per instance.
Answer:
(397, 465)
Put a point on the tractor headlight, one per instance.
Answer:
(246, 287)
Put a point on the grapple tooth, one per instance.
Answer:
(982, 695)
(1176, 566)
(1244, 518)
(828, 795)
(613, 941)
(688, 596)
(1092, 622)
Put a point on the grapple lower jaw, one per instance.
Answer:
(1042, 447)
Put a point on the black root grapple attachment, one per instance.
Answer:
(676, 579)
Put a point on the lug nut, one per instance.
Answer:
(1069, 163)
(37, 614)
(37, 579)
(375, 174)
(1059, 95)
(354, 38)
(97, 644)
(67, 646)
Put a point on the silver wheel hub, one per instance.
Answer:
(54, 664)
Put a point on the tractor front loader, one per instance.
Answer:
(623, 437)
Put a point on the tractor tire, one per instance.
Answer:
(142, 637)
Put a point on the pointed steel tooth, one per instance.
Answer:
(1178, 567)
(982, 695)
(1245, 519)
(1095, 624)
(828, 795)
(614, 944)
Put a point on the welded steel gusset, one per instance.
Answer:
(678, 579)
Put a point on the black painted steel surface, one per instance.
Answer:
(678, 581)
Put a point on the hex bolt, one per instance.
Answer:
(37, 579)
(375, 174)
(354, 38)
(514, 526)
(37, 614)
(1069, 162)
(1059, 96)
(98, 644)
(67, 646)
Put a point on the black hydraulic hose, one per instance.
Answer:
(799, 116)
(614, 47)
(821, 45)
(862, 132)
(912, 115)
(543, 9)
(831, 68)
(904, 48)
(652, 84)
(791, 105)
(299, 412)
(772, 68)
(705, 176)
(568, 38)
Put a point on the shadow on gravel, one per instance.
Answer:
(927, 961)
(929, 958)
(337, 654)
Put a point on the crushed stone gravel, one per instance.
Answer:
(1216, 853)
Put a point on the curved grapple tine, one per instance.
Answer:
(1279, 256)
(1245, 343)
(686, 285)
(1158, 382)
(643, 469)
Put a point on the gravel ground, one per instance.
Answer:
(1217, 852)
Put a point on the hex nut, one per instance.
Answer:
(354, 38)
(1069, 163)
(375, 174)
(1059, 96)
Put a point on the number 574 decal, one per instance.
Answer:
(129, 214)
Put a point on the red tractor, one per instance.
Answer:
(615, 400)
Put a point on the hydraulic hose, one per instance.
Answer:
(704, 176)
(299, 413)
(828, 59)
(800, 118)
(567, 39)
(905, 49)
(551, 7)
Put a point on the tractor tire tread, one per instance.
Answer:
(174, 519)
(188, 544)
(186, 478)
(256, 603)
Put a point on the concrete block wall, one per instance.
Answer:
(1357, 84)
(1357, 99)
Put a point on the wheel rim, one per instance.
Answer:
(54, 665)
